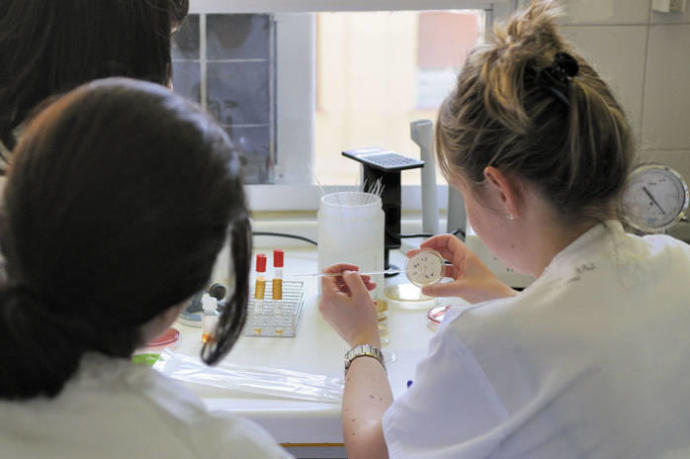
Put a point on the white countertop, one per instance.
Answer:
(316, 349)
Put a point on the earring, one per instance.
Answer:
(510, 216)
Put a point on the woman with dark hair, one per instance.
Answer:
(50, 47)
(119, 197)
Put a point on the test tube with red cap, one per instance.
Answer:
(260, 284)
(278, 259)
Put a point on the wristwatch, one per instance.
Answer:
(363, 350)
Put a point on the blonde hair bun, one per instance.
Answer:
(527, 103)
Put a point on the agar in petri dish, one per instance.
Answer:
(170, 336)
(425, 268)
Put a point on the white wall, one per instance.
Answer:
(645, 57)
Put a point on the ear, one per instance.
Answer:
(506, 188)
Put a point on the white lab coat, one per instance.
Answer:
(592, 360)
(113, 408)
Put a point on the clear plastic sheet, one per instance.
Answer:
(256, 380)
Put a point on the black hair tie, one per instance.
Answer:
(556, 77)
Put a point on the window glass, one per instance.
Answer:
(444, 40)
(186, 60)
(235, 53)
(185, 44)
(374, 73)
(377, 72)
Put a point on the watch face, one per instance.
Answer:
(425, 268)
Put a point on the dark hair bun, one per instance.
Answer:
(40, 355)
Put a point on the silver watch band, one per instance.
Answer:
(363, 350)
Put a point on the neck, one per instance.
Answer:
(543, 233)
(551, 240)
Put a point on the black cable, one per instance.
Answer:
(457, 232)
(460, 232)
(406, 236)
(291, 236)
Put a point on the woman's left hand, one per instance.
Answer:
(347, 306)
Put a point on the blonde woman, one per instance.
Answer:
(592, 359)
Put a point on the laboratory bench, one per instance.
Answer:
(308, 428)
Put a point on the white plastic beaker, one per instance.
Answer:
(351, 230)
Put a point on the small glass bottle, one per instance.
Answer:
(209, 319)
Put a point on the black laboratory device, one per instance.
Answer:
(384, 167)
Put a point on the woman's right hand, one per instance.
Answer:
(472, 280)
(347, 306)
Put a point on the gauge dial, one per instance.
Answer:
(425, 268)
(654, 199)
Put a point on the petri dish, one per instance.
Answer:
(170, 337)
(150, 354)
(406, 293)
(436, 315)
(425, 268)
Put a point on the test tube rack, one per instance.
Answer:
(274, 319)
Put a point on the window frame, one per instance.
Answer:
(312, 6)
(295, 189)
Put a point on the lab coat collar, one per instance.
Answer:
(584, 244)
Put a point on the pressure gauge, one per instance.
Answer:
(425, 268)
(655, 198)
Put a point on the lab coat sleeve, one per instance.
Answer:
(451, 410)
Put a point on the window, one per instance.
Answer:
(444, 40)
(376, 73)
(294, 86)
(226, 63)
